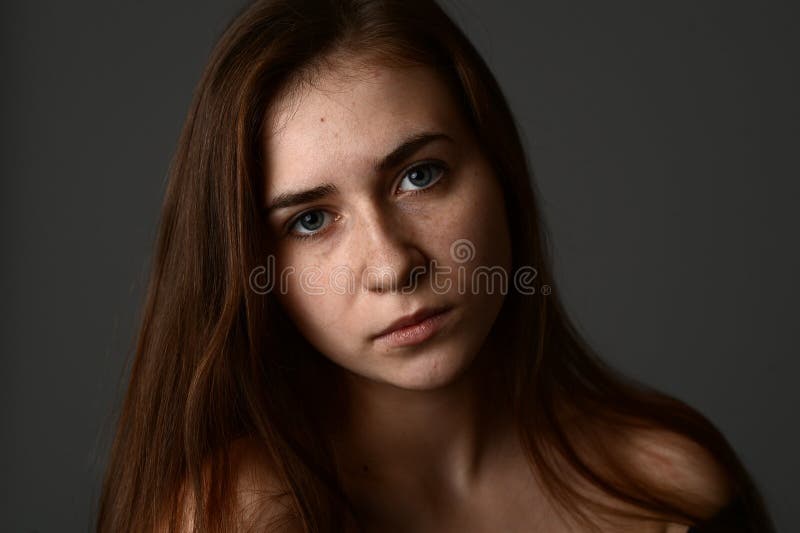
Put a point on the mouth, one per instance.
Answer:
(414, 328)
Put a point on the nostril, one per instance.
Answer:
(380, 279)
(395, 271)
(415, 277)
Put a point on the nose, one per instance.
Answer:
(391, 259)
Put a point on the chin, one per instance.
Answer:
(433, 367)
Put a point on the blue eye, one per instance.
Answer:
(423, 176)
(311, 221)
(312, 224)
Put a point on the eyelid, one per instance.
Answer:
(440, 165)
(295, 219)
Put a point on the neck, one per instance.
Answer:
(433, 443)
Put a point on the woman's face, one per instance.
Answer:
(405, 208)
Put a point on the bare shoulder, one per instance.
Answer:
(677, 463)
(263, 502)
(260, 501)
(669, 463)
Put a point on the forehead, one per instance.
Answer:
(347, 117)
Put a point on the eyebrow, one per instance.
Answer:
(403, 151)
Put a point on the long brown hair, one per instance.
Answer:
(216, 361)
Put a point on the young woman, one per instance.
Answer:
(346, 326)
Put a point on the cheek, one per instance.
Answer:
(323, 317)
(304, 297)
(475, 231)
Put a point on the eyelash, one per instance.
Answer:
(438, 165)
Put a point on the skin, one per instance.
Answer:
(418, 426)
(424, 448)
(333, 133)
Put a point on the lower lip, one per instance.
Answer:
(416, 333)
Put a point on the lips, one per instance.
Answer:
(414, 318)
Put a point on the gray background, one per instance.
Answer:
(663, 135)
